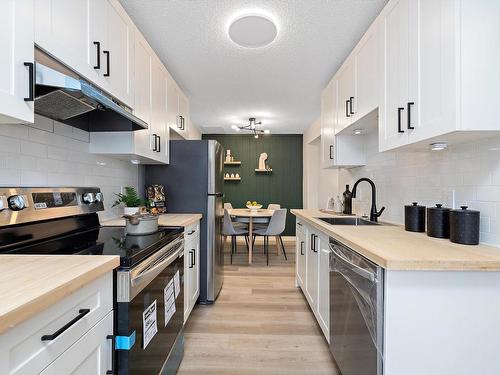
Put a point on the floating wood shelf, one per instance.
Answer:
(232, 163)
(232, 178)
(264, 170)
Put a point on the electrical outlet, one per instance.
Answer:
(448, 198)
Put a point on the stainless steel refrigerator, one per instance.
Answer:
(194, 183)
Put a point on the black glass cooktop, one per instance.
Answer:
(48, 238)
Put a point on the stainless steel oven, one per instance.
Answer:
(150, 313)
(356, 311)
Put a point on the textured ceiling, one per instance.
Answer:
(281, 83)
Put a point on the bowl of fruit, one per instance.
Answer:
(253, 206)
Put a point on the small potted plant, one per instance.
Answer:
(131, 201)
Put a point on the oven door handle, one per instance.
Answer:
(353, 267)
(147, 274)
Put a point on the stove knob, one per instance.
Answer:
(17, 203)
(88, 198)
(98, 197)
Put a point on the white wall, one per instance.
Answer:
(471, 170)
(49, 153)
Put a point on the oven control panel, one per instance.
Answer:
(22, 205)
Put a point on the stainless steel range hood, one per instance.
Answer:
(62, 95)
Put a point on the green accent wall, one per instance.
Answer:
(283, 185)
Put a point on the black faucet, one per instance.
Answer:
(373, 211)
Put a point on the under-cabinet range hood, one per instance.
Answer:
(62, 95)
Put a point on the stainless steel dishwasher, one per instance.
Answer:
(356, 311)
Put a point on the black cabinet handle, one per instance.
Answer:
(194, 257)
(81, 314)
(98, 60)
(31, 72)
(159, 144)
(313, 242)
(400, 109)
(182, 123)
(154, 138)
(191, 263)
(191, 232)
(409, 116)
(301, 247)
(350, 105)
(107, 63)
(347, 109)
(299, 224)
(112, 371)
(331, 149)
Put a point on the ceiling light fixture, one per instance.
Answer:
(135, 161)
(252, 29)
(438, 146)
(252, 127)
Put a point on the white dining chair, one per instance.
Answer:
(275, 228)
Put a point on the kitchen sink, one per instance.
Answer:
(347, 221)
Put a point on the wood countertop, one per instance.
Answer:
(30, 284)
(393, 248)
(165, 220)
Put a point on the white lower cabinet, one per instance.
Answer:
(78, 348)
(17, 61)
(301, 243)
(191, 267)
(92, 354)
(324, 285)
(312, 271)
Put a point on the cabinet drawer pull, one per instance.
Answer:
(331, 149)
(301, 247)
(400, 109)
(31, 72)
(107, 63)
(313, 242)
(409, 116)
(191, 263)
(81, 314)
(347, 109)
(350, 105)
(194, 257)
(299, 224)
(191, 232)
(112, 338)
(98, 55)
(154, 144)
(159, 144)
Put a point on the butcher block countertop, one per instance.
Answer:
(393, 248)
(165, 220)
(30, 284)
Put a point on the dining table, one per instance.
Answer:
(251, 217)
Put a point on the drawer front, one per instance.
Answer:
(191, 232)
(22, 349)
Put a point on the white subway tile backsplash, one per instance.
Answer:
(470, 170)
(48, 153)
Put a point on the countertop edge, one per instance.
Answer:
(397, 265)
(194, 217)
(20, 314)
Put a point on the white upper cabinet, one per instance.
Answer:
(119, 56)
(159, 129)
(328, 122)
(395, 25)
(16, 61)
(368, 73)
(92, 37)
(346, 95)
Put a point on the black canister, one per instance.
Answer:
(415, 218)
(464, 226)
(438, 221)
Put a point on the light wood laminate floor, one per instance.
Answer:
(260, 325)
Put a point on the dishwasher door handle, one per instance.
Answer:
(355, 268)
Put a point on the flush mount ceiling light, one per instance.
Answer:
(438, 146)
(252, 127)
(252, 30)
